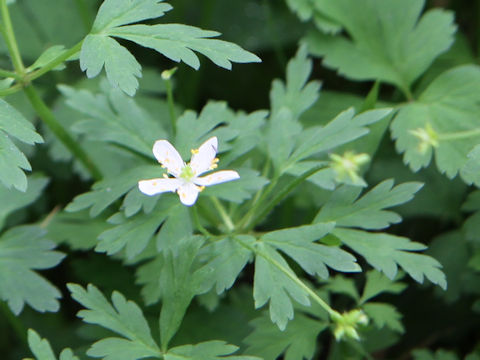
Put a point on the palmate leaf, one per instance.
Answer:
(347, 209)
(22, 250)
(12, 160)
(298, 341)
(450, 104)
(42, 350)
(124, 318)
(407, 47)
(176, 41)
(386, 252)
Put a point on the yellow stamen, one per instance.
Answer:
(194, 151)
(201, 188)
(165, 176)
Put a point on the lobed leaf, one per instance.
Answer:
(299, 244)
(122, 317)
(42, 350)
(450, 104)
(386, 252)
(406, 49)
(367, 212)
(297, 342)
(12, 160)
(22, 250)
(209, 350)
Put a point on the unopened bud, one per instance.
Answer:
(348, 165)
(428, 138)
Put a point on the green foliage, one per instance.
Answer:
(176, 41)
(305, 245)
(450, 106)
(12, 160)
(124, 318)
(297, 341)
(407, 47)
(43, 351)
(22, 250)
(367, 212)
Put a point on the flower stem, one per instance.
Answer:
(223, 214)
(47, 116)
(7, 74)
(198, 224)
(253, 220)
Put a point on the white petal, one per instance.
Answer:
(217, 178)
(188, 193)
(157, 186)
(203, 158)
(168, 156)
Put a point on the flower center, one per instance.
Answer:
(187, 173)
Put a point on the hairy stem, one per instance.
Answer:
(459, 135)
(171, 105)
(47, 116)
(198, 224)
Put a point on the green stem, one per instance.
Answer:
(279, 197)
(171, 105)
(17, 326)
(55, 62)
(47, 116)
(10, 39)
(198, 224)
(7, 73)
(334, 315)
(223, 214)
(459, 135)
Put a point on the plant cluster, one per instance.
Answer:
(220, 233)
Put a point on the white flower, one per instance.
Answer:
(186, 181)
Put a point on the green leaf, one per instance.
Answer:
(78, 230)
(124, 318)
(209, 350)
(310, 9)
(377, 283)
(22, 250)
(176, 41)
(134, 233)
(180, 280)
(367, 212)
(107, 191)
(228, 258)
(450, 105)
(13, 200)
(12, 160)
(297, 342)
(384, 315)
(470, 172)
(345, 127)
(407, 47)
(288, 102)
(386, 252)
(273, 281)
(299, 244)
(48, 55)
(42, 350)
(340, 284)
(114, 117)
